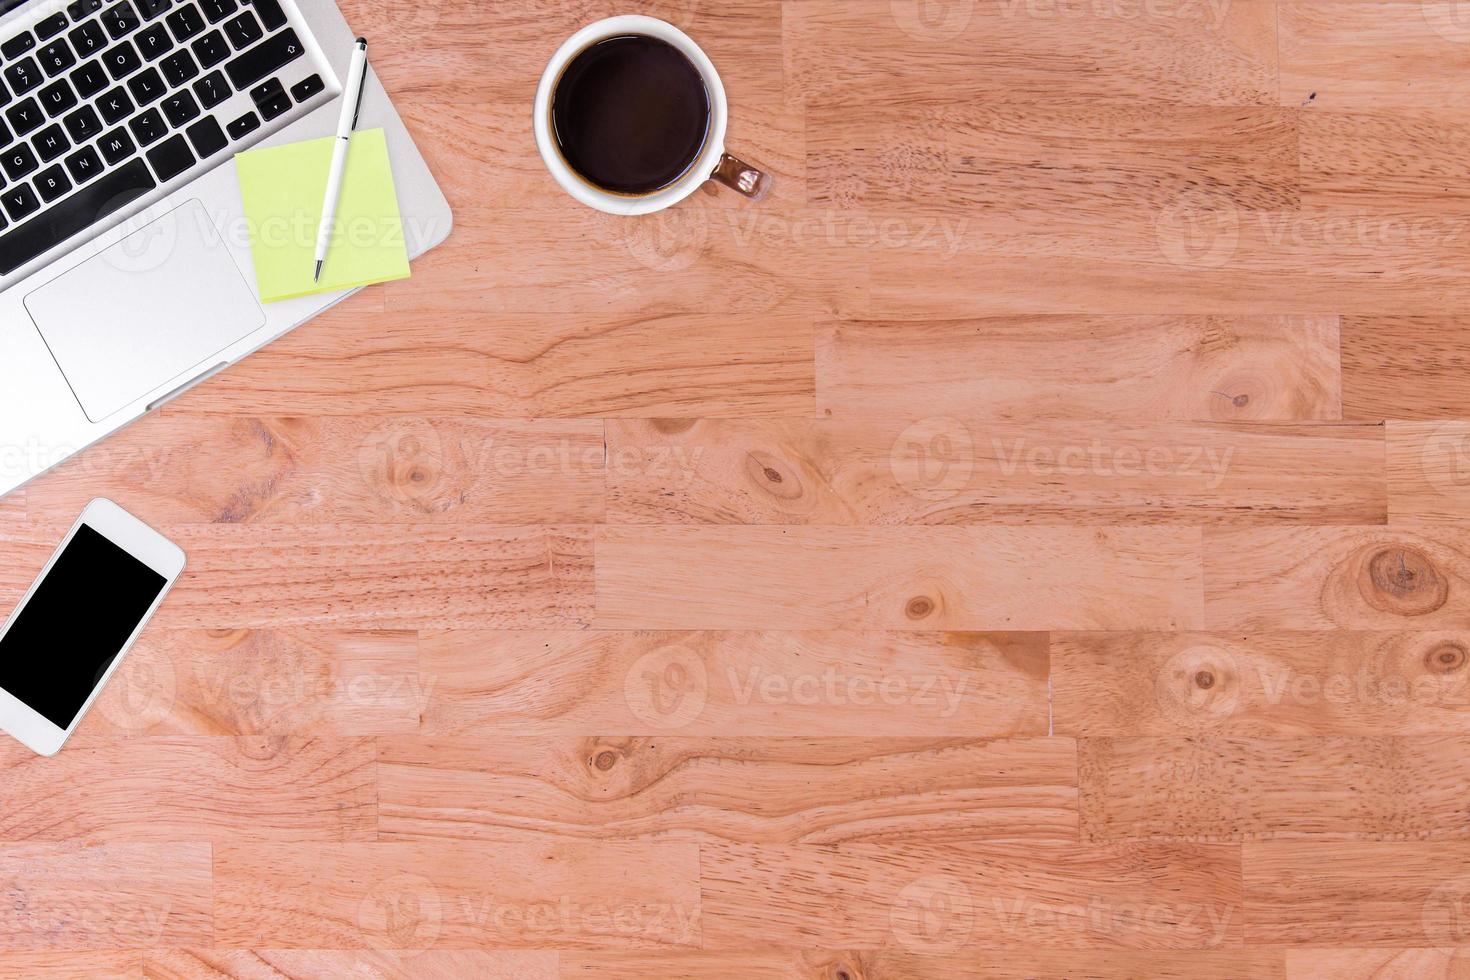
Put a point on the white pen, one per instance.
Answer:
(351, 103)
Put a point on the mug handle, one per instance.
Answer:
(742, 178)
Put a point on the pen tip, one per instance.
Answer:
(317, 276)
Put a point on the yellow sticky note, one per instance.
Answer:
(282, 187)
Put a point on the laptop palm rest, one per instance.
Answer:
(146, 311)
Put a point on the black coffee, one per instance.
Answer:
(631, 114)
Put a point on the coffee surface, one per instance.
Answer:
(631, 114)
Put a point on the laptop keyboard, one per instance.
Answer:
(111, 101)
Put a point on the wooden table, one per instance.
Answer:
(1029, 543)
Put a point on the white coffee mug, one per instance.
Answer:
(713, 163)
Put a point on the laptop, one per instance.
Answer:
(125, 266)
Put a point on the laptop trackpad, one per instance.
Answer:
(146, 311)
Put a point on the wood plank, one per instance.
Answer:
(1359, 54)
(876, 53)
(363, 576)
(67, 896)
(897, 578)
(526, 365)
(1400, 577)
(84, 965)
(264, 682)
(1243, 789)
(1009, 964)
(1264, 685)
(1376, 964)
(451, 895)
(312, 964)
(947, 470)
(1129, 368)
(986, 157)
(1351, 894)
(1356, 161)
(1428, 471)
(930, 898)
(763, 683)
(343, 469)
(742, 789)
(175, 788)
(1404, 367)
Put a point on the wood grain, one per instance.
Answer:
(1403, 894)
(1404, 367)
(951, 470)
(605, 788)
(1428, 471)
(897, 578)
(450, 895)
(1029, 367)
(836, 683)
(1322, 578)
(1309, 787)
(928, 898)
(310, 964)
(1381, 964)
(1261, 685)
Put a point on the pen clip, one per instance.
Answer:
(361, 87)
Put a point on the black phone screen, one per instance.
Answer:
(75, 624)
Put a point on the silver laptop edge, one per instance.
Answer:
(42, 420)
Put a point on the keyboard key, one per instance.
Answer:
(207, 137)
(18, 45)
(117, 146)
(266, 58)
(52, 183)
(211, 49)
(51, 143)
(171, 158)
(244, 31)
(271, 14)
(82, 9)
(218, 10)
(19, 160)
(153, 42)
(23, 76)
(244, 126)
(84, 164)
(21, 201)
(121, 19)
(25, 116)
(51, 26)
(56, 57)
(5, 139)
(152, 8)
(307, 87)
(89, 79)
(89, 205)
(185, 23)
(57, 98)
(4, 97)
(148, 126)
(88, 39)
(83, 124)
(180, 108)
(276, 106)
(122, 61)
(115, 106)
(267, 90)
(178, 68)
(212, 89)
(146, 86)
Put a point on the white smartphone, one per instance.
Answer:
(80, 616)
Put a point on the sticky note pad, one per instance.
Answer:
(282, 187)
